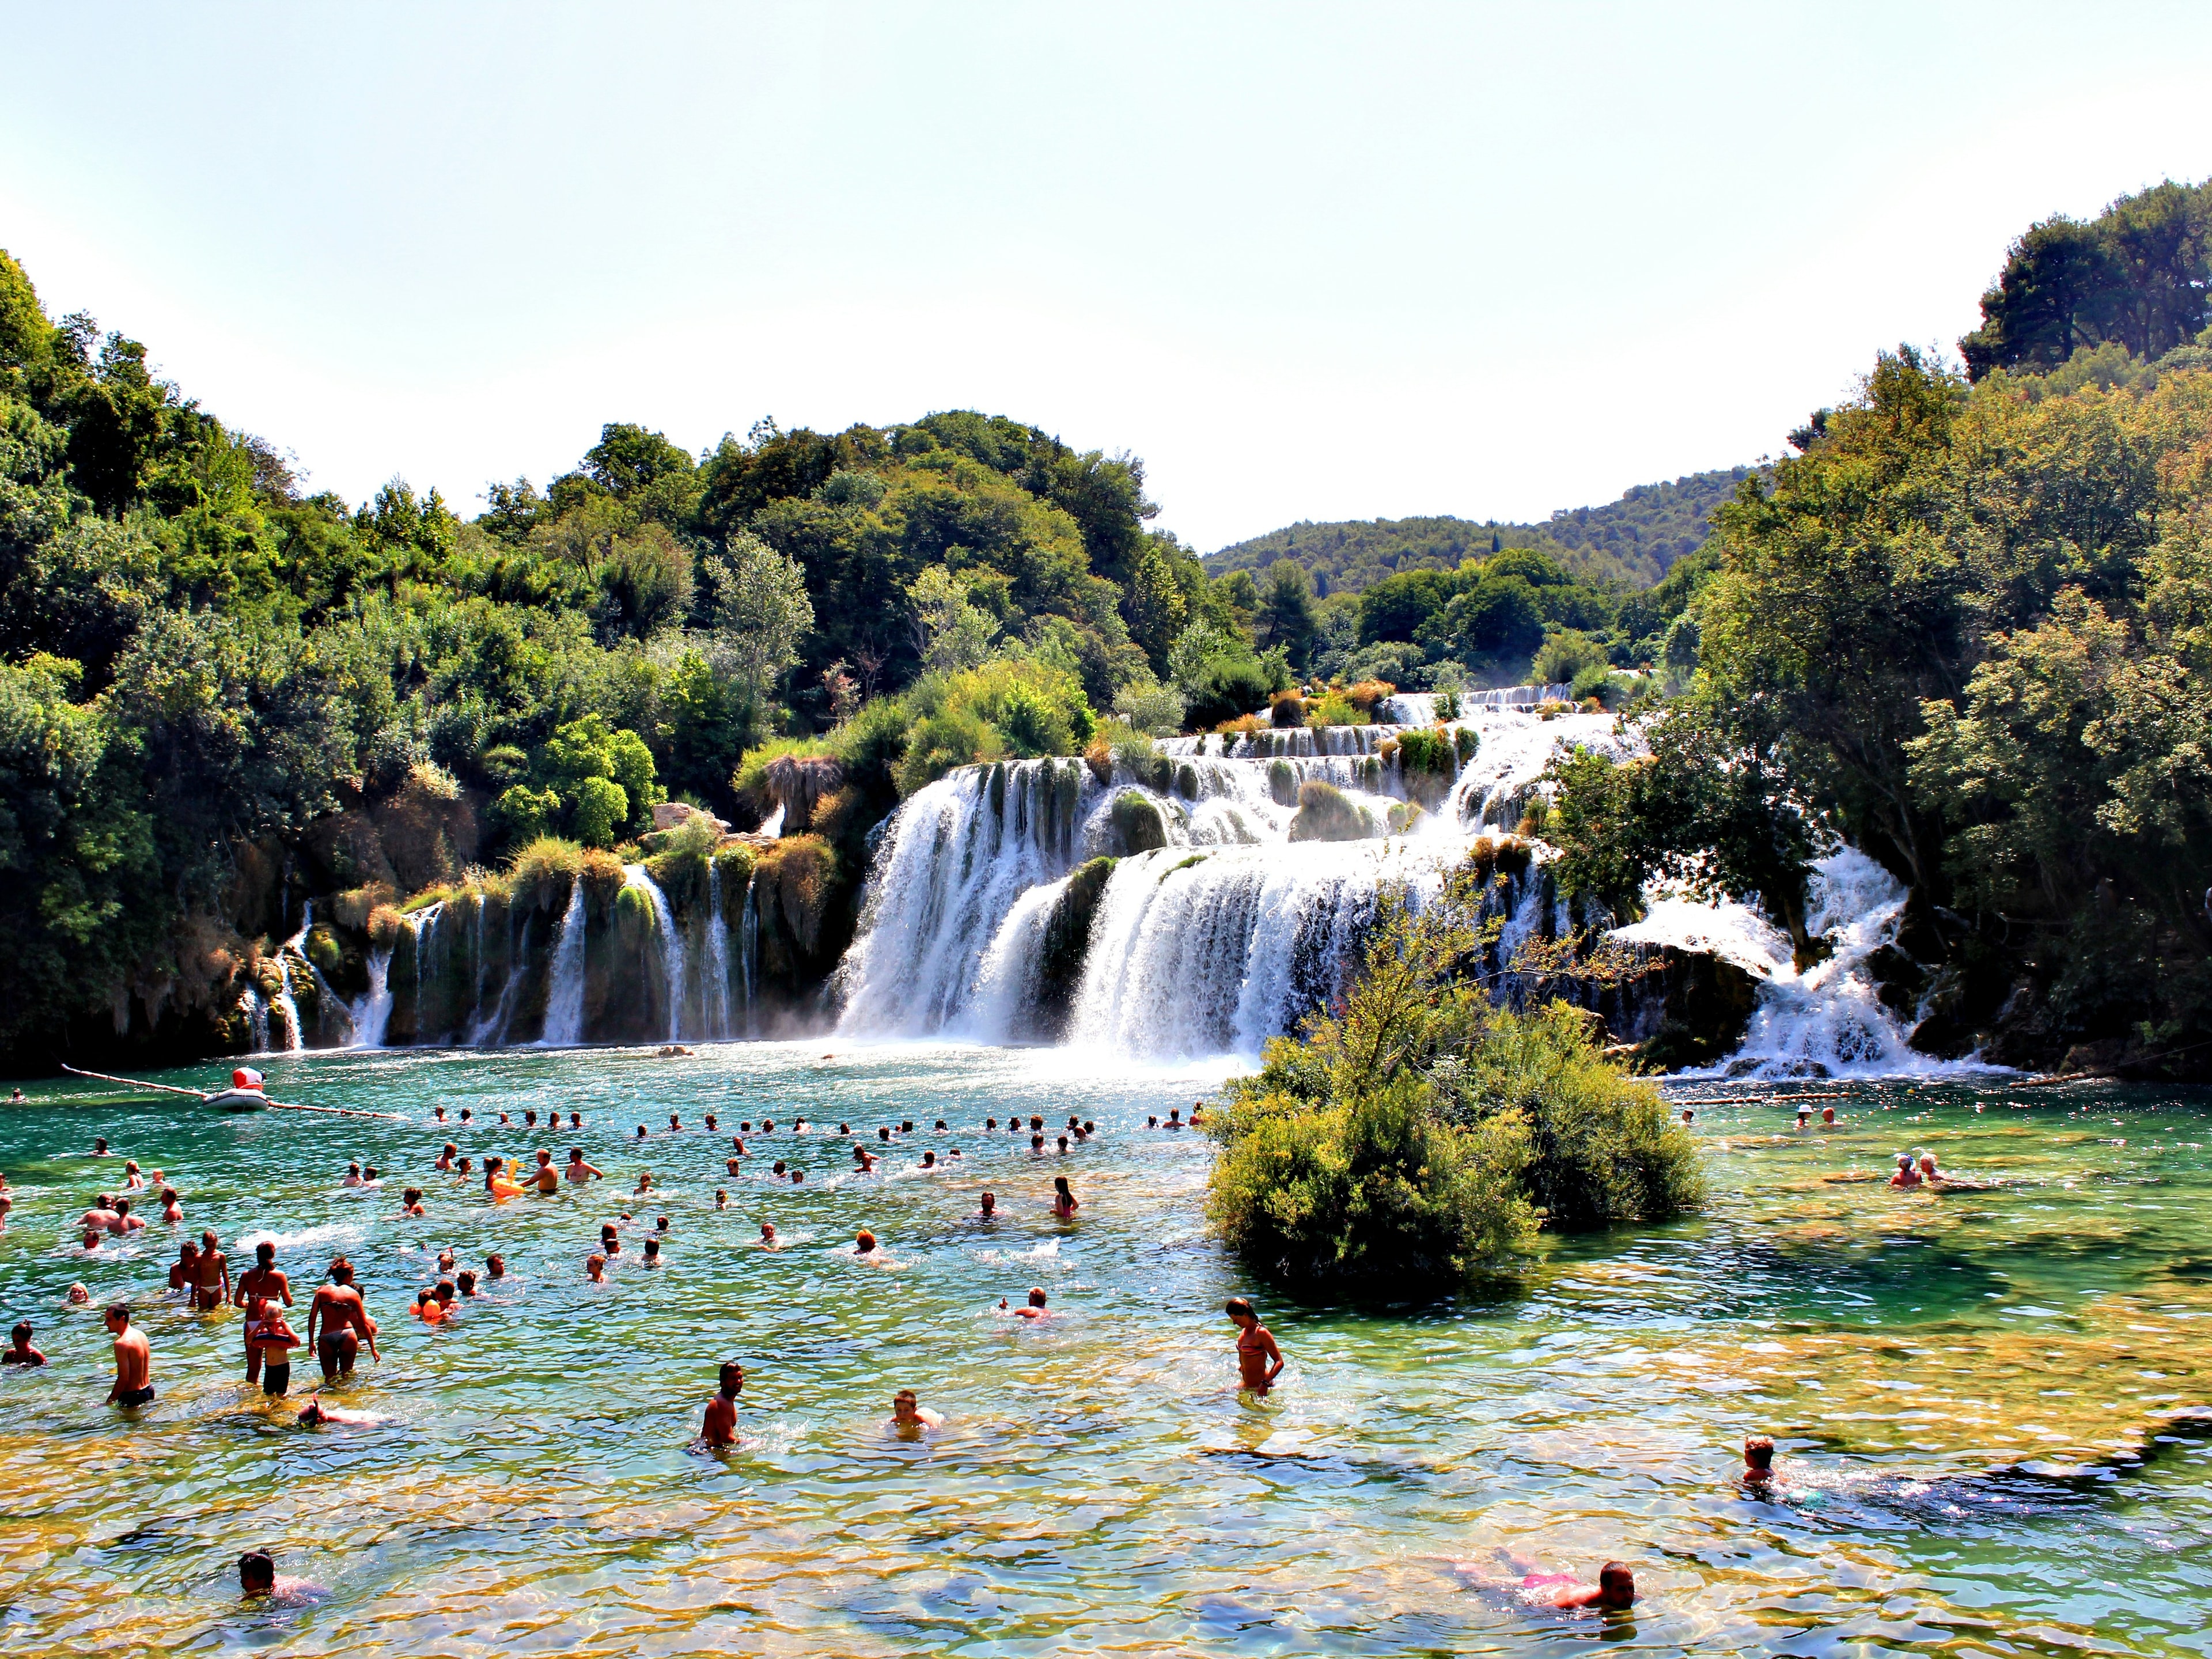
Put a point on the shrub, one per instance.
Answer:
(1563, 655)
(526, 813)
(1366, 694)
(1419, 1133)
(600, 809)
(1447, 705)
(1327, 813)
(940, 741)
(1333, 708)
(1287, 710)
(1148, 706)
(1244, 725)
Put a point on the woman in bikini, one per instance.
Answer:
(1259, 1361)
(1064, 1204)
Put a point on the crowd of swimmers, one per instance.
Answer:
(338, 1326)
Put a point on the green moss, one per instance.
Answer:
(1067, 943)
(1138, 826)
(1327, 813)
(1283, 782)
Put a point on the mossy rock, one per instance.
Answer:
(1327, 813)
(1186, 781)
(1067, 943)
(1138, 825)
(1404, 815)
(1283, 782)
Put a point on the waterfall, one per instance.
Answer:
(671, 943)
(489, 1029)
(749, 951)
(715, 1001)
(374, 1012)
(257, 1019)
(564, 996)
(296, 1040)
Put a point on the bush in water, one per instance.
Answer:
(1420, 1134)
(1327, 813)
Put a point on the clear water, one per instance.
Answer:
(1100, 1484)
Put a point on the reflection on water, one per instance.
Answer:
(1982, 1398)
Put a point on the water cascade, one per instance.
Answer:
(1208, 904)
(285, 1003)
(564, 997)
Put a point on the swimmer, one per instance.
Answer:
(675, 1124)
(446, 1158)
(464, 1166)
(411, 1201)
(529, 1120)
(1063, 1145)
(465, 1283)
(864, 1243)
(767, 1236)
(445, 1294)
(909, 1418)
(798, 1127)
(1759, 1464)
(1198, 1111)
(595, 1268)
(798, 1176)
(427, 1308)
(711, 1129)
(20, 1351)
(314, 1414)
(1259, 1361)
(545, 1177)
(257, 1577)
(990, 1123)
(1907, 1175)
(731, 1165)
(578, 1170)
(720, 1427)
(641, 1132)
(447, 1259)
(1175, 1117)
(778, 1171)
(184, 1274)
(1929, 1173)
(988, 1210)
(575, 1120)
(134, 1359)
(466, 1114)
(1151, 1122)
(271, 1346)
(90, 1242)
(173, 1208)
(132, 1181)
(652, 1253)
(496, 1266)
(99, 1146)
(940, 1126)
(6, 1204)
(438, 1112)
(661, 1226)
(610, 1240)
(123, 1224)
(645, 1184)
(929, 1160)
(338, 1309)
(1688, 1117)
(906, 1126)
(1804, 1117)
(504, 1120)
(1064, 1204)
(264, 1278)
(496, 1181)
(884, 1134)
(1090, 1129)
(212, 1289)
(722, 1198)
(737, 1145)
(745, 1128)
(1036, 1310)
(844, 1128)
(1035, 1123)
(1036, 1146)
(1616, 1589)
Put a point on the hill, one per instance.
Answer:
(1635, 539)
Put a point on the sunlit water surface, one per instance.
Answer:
(1101, 1485)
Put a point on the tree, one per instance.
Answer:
(951, 634)
(1286, 617)
(759, 612)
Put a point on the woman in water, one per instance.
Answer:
(1064, 1204)
(1259, 1361)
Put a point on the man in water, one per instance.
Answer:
(262, 1279)
(134, 1360)
(122, 1224)
(411, 1201)
(909, 1418)
(1259, 1361)
(767, 1236)
(338, 1307)
(496, 1266)
(20, 1351)
(545, 1177)
(720, 1426)
(1929, 1174)
(1616, 1589)
(595, 1268)
(257, 1577)
(1907, 1174)
(988, 1210)
(1759, 1465)
(578, 1170)
(1036, 1309)
(99, 1146)
(864, 1243)
(1827, 1117)
(212, 1289)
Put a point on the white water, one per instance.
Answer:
(257, 1017)
(671, 943)
(715, 1000)
(296, 1040)
(1228, 936)
(373, 1012)
(564, 996)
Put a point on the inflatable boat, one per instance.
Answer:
(245, 1094)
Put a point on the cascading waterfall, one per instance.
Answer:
(1231, 933)
(373, 1012)
(564, 997)
(295, 1039)
(716, 1009)
(671, 943)
(257, 1019)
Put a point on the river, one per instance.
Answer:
(1960, 1384)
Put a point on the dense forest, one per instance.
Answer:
(1633, 541)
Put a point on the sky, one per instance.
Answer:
(1308, 262)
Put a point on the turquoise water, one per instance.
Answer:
(531, 1483)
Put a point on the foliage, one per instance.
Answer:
(1414, 1135)
(2135, 277)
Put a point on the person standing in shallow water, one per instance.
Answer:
(1259, 1361)
(134, 1359)
(720, 1426)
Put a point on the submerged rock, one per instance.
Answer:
(1138, 826)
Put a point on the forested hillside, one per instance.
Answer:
(1633, 541)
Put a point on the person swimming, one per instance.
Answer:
(1259, 1361)
(910, 1417)
(864, 1243)
(1907, 1174)
(411, 1201)
(610, 1240)
(1035, 1308)
(652, 1253)
(1064, 1201)
(719, 1426)
(644, 1184)
(767, 1236)
(929, 1160)
(989, 1209)
(257, 1579)
(579, 1171)
(1758, 1463)
(595, 1268)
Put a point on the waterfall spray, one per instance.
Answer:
(564, 997)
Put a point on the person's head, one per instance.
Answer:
(596, 1265)
(446, 1292)
(675, 1123)
(208, 1246)
(265, 1252)
(1240, 1311)
(1089, 1128)
(1759, 1452)
(990, 1202)
(606, 1232)
(768, 1232)
(1037, 1143)
(438, 1112)
(21, 1334)
(256, 1573)
(466, 1114)
(1175, 1114)
(188, 1251)
(1059, 1186)
(1928, 1164)
(544, 1158)
(122, 1206)
(412, 1196)
(91, 1239)
(940, 1123)
(465, 1165)
(797, 1175)
(641, 1132)
(78, 1296)
(652, 1250)
(906, 1126)
(446, 1259)
(904, 1406)
(530, 1118)
(1688, 1115)
(575, 1120)
(99, 1146)
(1037, 1296)
(1827, 1115)
(722, 1198)
(1036, 1122)
(1151, 1122)
(730, 1379)
(341, 1271)
(352, 1169)
(1904, 1163)
(884, 1134)
(452, 1150)
(1616, 1585)
(864, 1242)
(117, 1317)
(929, 1160)
(467, 1281)
(779, 1167)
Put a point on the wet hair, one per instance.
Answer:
(412, 1196)
(1615, 1575)
(864, 1242)
(467, 1280)
(22, 1331)
(265, 1250)
(1036, 1123)
(843, 1129)
(1063, 1142)
(1238, 1307)
(990, 1123)
(1037, 1296)
(606, 1230)
(641, 1132)
(940, 1123)
(652, 1247)
(341, 1270)
(595, 1260)
(906, 1126)
(256, 1571)
(1759, 1451)
(576, 1154)
(906, 1395)
(445, 1284)
(1059, 1184)
(119, 1310)
(1036, 1141)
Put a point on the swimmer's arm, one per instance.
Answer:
(1274, 1353)
(314, 1312)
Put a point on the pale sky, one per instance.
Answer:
(1310, 262)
